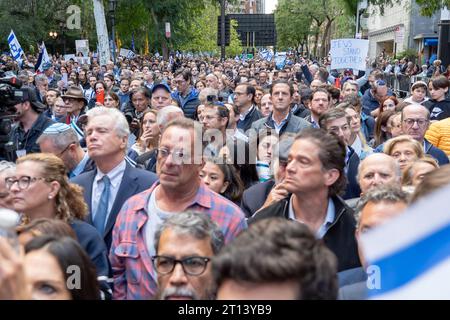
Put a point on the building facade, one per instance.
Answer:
(402, 27)
(247, 7)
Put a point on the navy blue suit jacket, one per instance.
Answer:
(133, 182)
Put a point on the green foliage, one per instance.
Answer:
(235, 47)
(411, 54)
(32, 20)
(293, 25)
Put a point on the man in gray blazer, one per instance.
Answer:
(114, 181)
(281, 119)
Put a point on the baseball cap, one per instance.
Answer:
(163, 86)
(28, 94)
(47, 66)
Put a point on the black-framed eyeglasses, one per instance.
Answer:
(65, 149)
(420, 122)
(23, 182)
(193, 266)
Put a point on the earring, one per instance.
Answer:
(49, 197)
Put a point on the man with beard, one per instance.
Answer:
(30, 122)
(185, 244)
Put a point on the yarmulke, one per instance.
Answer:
(57, 128)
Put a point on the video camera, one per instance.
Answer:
(10, 95)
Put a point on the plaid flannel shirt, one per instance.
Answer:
(131, 264)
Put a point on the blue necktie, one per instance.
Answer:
(102, 209)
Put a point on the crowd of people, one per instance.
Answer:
(207, 179)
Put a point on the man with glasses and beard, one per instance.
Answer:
(185, 244)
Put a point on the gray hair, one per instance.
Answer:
(6, 165)
(384, 193)
(196, 224)
(397, 170)
(40, 78)
(121, 124)
(202, 96)
(61, 139)
(162, 117)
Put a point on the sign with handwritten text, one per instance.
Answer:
(349, 53)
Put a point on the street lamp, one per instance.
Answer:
(112, 12)
(53, 35)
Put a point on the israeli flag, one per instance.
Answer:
(43, 58)
(14, 46)
(411, 253)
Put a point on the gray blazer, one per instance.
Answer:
(294, 124)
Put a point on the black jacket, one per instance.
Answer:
(340, 237)
(300, 111)
(255, 196)
(27, 140)
(249, 119)
(438, 110)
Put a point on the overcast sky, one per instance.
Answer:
(270, 5)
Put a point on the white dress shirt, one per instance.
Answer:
(115, 176)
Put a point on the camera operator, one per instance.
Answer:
(31, 122)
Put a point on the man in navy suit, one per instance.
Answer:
(114, 180)
(335, 121)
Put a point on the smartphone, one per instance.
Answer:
(101, 97)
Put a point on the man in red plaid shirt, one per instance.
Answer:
(179, 189)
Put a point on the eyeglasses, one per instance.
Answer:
(420, 122)
(380, 83)
(193, 266)
(65, 149)
(178, 155)
(23, 182)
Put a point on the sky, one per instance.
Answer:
(270, 5)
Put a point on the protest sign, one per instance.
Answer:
(349, 53)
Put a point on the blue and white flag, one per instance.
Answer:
(132, 43)
(410, 255)
(42, 59)
(280, 60)
(14, 46)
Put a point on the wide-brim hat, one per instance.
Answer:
(75, 93)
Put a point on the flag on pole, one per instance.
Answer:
(132, 43)
(147, 49)
(118, 42)
(42, 59)
(14, 46)
(414, 264)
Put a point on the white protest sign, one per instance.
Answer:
(83, 60)
(127, 53)
(67, 57)
(349, 53)
(83, 47)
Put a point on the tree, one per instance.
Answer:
(235, 47)
(293, 26)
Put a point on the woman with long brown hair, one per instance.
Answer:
(40, 189)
